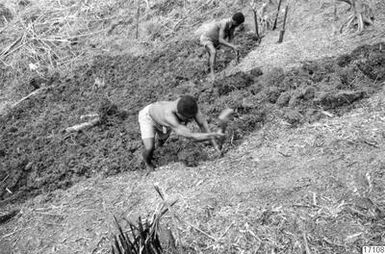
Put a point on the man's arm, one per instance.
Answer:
(182, 130)
(198, 136)
(201, 121)
(231, 35)
(222, 39)
(204, 126)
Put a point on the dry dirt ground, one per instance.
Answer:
(310, 37)
(303, 170)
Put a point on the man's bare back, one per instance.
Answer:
(212, 31)
(164, 113)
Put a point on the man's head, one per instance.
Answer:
(238, 18)
(187, 107)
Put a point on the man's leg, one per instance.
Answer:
(208, 59)
(148, 152)
(147, 132)
(212, 58)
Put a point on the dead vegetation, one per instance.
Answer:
(146, 236)
(265, 15)
(362, 14)
(320, 220)
(49, 36)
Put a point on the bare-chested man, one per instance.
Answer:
(162, 117)
(220, 33)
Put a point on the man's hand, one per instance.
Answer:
(217, 147)
(214, 141)
(236, 48)
(216, 135)
(210, 136)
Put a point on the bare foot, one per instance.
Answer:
(150, 167)
(149, 170)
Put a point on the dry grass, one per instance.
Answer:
(47, 37)
(145, 234)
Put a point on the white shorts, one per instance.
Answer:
(148, 128)
(206, 40)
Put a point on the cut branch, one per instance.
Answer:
(28, 96)
(83, 126)
(11, 48)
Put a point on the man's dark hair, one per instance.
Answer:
(239, 18)
(187, 106)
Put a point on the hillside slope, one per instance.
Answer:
(303, 172)
(311, 34)
(323, 180)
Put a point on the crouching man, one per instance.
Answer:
(162, 117)
(218, 34)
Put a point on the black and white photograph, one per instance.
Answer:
(192, 127)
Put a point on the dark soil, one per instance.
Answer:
(38, 156)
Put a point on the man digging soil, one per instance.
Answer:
(162, 117)
(220, 33)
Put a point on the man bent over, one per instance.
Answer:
(162, 117)
(220, 33)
